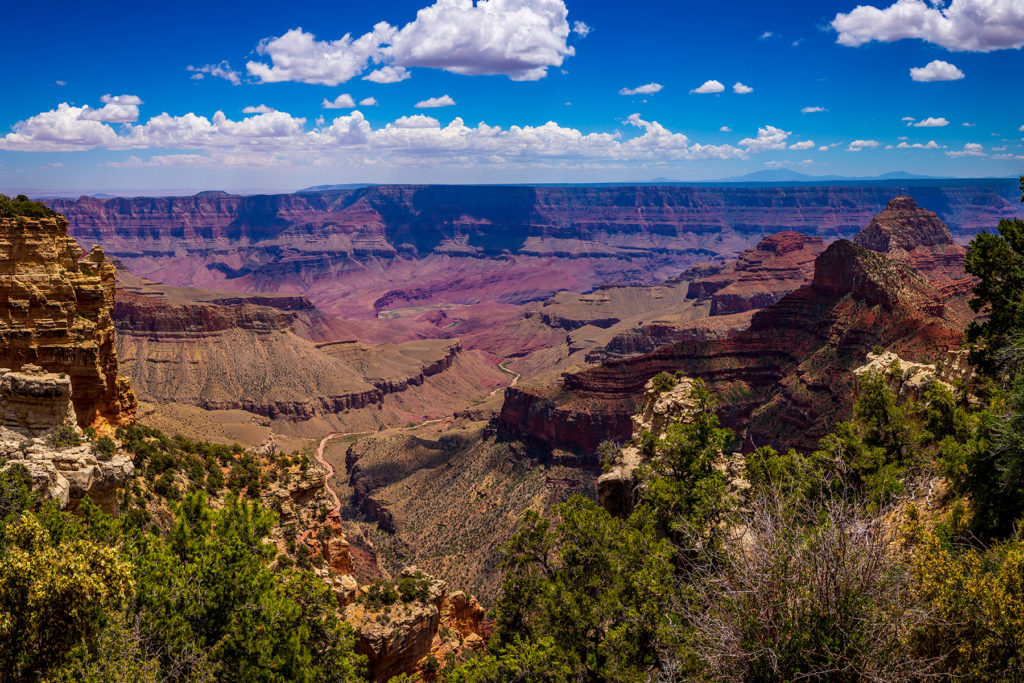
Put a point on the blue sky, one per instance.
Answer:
(147, 98)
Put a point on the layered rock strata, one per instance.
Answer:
(55, 312)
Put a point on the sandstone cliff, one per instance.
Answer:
(55, 312)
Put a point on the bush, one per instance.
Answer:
(65, 436)
(104, 446)
(23, 206)
(414, 588)
(380, 594)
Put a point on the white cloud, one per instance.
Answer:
(908, 118)
(709, 87)
(971, 125)
(1021, 129)
(342, 101)
(741, 89)
(647, 89)
(858, 145)
(971, 149)
(261, 109)
(804, 144)
(115, 109)
(966, 25)
(368, 102)
(768, 138)
(936, 70)
(276, 137)
(931, 122)
(60, 129)
(388, 74)
(812, 110)
(219, 70)
(725, 129)
(931, 144)
(435, 102)
(766, 35)
(516, 38)
(823, 148)
(581, 29)
(61, 83)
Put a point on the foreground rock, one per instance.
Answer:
(55, 312)
(414, 636)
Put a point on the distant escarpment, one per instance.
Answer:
(470, 244)
(55, 313)
(788, 377)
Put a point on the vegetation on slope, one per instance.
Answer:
(890, 552)
(23, 206)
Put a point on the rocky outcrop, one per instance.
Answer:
(38, 431)
(617, 488)
(909, 380)
(760, 276)
(55, 312)
(397, 639)
(33, 402)
(909, 233)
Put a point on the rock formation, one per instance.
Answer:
(616, 488)
(916, 236)
(909, 380)
(55, 312)
(469, 244)
(789, 376)
(759, 276)
(399, 638)
(38, 431)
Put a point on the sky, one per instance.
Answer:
(151, 98)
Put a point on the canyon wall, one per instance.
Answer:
(500, 243)
(55, 312)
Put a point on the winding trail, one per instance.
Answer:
(319, 454)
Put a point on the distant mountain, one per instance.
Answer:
(787, 175)
(328, 188)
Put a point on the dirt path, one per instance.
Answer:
(319, 454)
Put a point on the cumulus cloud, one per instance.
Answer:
(931, 144)
(725, 129)
(768, 138)
(342, 101)
(220, 70)
(858, 145)
(971, 149)
(741, 89)
(647, 89)
(435, 102)
(931, 122)
(964, 26)
(581, 29)
(278, 137)
(936, 70)
(803, 144)
(388, 74)
(516, 38)
(115, 109)
(709, 87)
(368, 102)
(261, 109)
(812, 110)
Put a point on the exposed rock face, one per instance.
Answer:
(55, 312)
(397, 639)
(33, 402)
(510, 244)
(917, 236)
(760, 276)
(789, 376)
